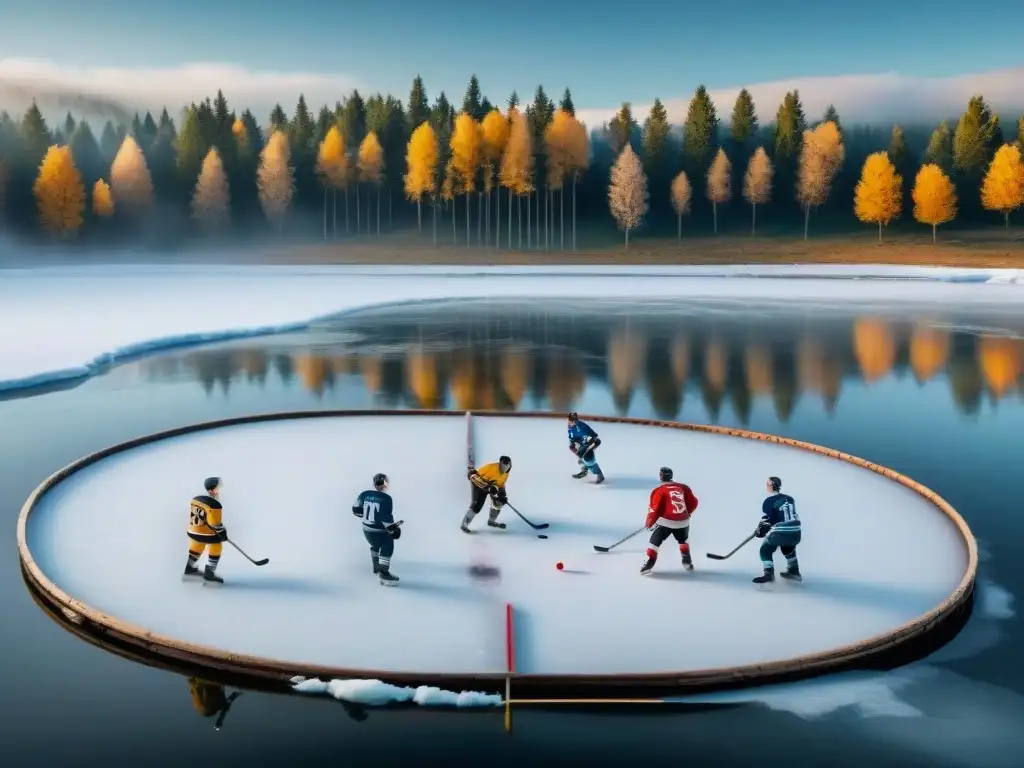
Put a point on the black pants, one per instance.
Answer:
(479, 497)
(660, 535)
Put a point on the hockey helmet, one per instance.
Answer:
(574, 417)
(665, 474)
(775, 484)
(211, 484)
(505, 464)
(380, 481)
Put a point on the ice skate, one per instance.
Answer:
(600, 479)
(648, 567)
(793, 574)
(191, 572)
(766, 578)
(210, 578)
(581, 474)
(387, 578)
(687, 562)
(496, 524)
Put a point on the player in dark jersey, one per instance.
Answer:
(780, 529)
(583, 440)
(376, 509)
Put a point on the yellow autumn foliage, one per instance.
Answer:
(1003, 187)
(874, 347)
(1000, 361)
(102, 200)
(878, 198)
(371, 159)
(421, 159)
(934, 197)
(332, 160)
(557, 138)
(929, 351)
(517, 160)
(466, 153)
(59, 193)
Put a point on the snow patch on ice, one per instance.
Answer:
(994, 601)
(375, 693)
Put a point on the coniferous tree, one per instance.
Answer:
(621, 129)
(832, 116)
(109, 143)
(787, 140)
(700, 139)
(419, 107)
(940, 148)
(471, 103)
(655, 151)
(278, 119)
(973, 140)
(190, 149)
(86, 152)
(568, 107)
(743, 126)
(900, 159)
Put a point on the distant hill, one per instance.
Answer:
(55, 102)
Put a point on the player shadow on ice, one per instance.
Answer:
(282, 583)
(632, 482)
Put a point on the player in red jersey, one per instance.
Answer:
(672, 504)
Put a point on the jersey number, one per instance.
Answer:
(370, 510)
(198, 516)
(788, 512)
(678, 502)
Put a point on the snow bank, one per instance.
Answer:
(374, 693)
(65, 323)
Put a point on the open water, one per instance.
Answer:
(935, 394)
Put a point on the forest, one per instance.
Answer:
(514, 176)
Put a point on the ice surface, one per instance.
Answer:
(874, 555)
(375, 693)
(63, 323)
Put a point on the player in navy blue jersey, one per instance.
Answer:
(376, 509)
(780, 529)
(583, 440)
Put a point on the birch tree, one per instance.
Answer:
(332, 170)
(421, 163)
(371, 168)
(275, 179)
(211, 203)
(719, 187)
(821, 157)
(681, 194)
(757, 183)
(627, 192)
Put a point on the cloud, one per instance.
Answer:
(175, 87)
(880, 98)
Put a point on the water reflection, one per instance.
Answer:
(501, 357)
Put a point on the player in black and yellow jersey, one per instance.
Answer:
(206, 532)
(209, 699)
(488, 480)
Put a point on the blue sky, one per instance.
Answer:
(606, 51)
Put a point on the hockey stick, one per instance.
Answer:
(535, 526)
(224, 712)
(264, 561)
(738, 548)
(620, 541)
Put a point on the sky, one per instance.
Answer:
(606, 52)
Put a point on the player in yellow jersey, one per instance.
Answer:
(488, 480)
(206, 532)
(209, 699)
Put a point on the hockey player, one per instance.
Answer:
(209, 699)
(376, 510)
(583, 440)
(669, 513)
(206, 532)
(780, 529)
(488, 480)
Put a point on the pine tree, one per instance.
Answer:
(86, 152)
(940, 148)
(757, 184)
(743, 127)
(719, 183)
(900, 158)
(211, 205)
(278, 119)
(655, 145)
(353, 120)
(627, 191)
(516, 170)
(577, 161)
(621, 129)
(700, 136)
(568, 107)
(69, 126)
(832, 116)
(878, 198)
(972, 141)
(35, 136)
(1020, 134)
(190, 148)
(1003, 187)
(109, 143)
(418, 111)
(59, 193)
(934, 197)
(471, 103)
(788, 134)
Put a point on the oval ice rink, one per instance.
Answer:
(113, 537)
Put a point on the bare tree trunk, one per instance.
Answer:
(807, 220)
(358, 215)
(627, 239)
(714, 215)
(419, 215)
(325, 214)
(933, 233)
(389, 209)
(469, 239)
(334, 204)
(679, 224)
(561, 214)
(753, 219)
(1006, 220)
(346, 211)
(519, 215)
(529, 229)
(378, 211)
(479, 218)
(510, 218)
(547, 210)
(574, 210)
(434, 208)
(879, 231)
(455, 237)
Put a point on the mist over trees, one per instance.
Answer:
(501, 173)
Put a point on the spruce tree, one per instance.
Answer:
(700, 140)
(418, 111)
(149, 132)
(654, 154)
(278, 119)
(86, 152)
(324, 121)
(35, 136)
(567, 106)
(788, 140)
(940, 148)
(743, 126)
(69, 131)
(621, 129)
(973, 139)
(109, 142)
(353, 120)
(513, 101)
(832, 116)
(190, 148)
(471, 103)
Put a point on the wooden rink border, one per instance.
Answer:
(537, 689)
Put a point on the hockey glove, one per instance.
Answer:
(222, 534)
(492, 489)
(502, 496)
(762, 529)
(396, 532)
